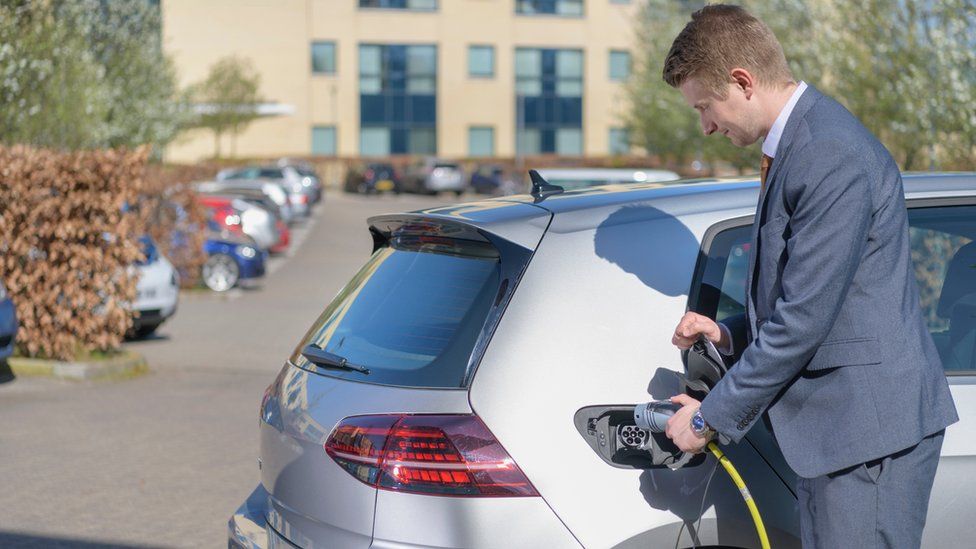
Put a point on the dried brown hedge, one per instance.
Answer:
(168, 206)
(66, 245)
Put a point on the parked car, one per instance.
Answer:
(261, 200)
(230, 260)
(239, 216)
(441, 399)
(157, 290)
(431, 176)
(310, 176)
(579, 178)
(487, 179)
(276, 191)
(303, 191)
(374, 177)
(8, 324)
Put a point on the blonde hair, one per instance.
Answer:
(720, 38)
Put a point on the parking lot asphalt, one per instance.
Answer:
(163, 460)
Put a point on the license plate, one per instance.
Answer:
(384, 185)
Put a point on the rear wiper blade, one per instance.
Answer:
(321, 357)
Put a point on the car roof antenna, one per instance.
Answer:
(542, 188)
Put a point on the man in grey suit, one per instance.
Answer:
(832, 345)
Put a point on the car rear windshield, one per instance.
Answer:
(412, 315)
(446, 166)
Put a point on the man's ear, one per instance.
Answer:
(744, 80)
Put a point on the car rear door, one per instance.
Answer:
(590, 326)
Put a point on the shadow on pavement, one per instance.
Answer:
(6, 374)
(18, 540)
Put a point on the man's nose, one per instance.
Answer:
(708, 127)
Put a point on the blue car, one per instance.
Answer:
(8, 324)
(231, 259)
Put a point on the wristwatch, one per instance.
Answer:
(700, 427)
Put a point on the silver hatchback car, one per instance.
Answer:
(463, 389)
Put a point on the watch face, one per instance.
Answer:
(698, 422)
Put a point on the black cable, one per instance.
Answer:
(701, 511)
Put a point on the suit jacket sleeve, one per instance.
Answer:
(830, 195)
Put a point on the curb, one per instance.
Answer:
(127, 365)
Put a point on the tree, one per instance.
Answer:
(907, 70)
(227, 99)
(658, 118)
(85, 74)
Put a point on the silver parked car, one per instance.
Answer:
(455, 392)
(275, 191)
(303, 191)
(431, 176)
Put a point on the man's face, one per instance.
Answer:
(736, 116)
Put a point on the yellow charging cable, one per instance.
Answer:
(741, 485)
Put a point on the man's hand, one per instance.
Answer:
(679, 426)
(692, 325)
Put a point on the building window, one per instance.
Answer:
(397, 99)
(572, 8)
(619, 65)
(549, 101)
(426, 5)
(619, 141)
(481, 61)
(323, 58)
(324, 140)
(481, 141)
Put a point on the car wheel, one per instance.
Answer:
(220, 272)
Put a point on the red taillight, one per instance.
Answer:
(448, 455)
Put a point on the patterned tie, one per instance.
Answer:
(763, 170)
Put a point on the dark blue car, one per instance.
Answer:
(231, 259)
(8, 324)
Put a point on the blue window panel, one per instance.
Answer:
(398, 141)
(374, 141)
(619, 65)
(532, 111)
(323, 58)
(481, 141)
(548, 141)
(324, 140)
(569, 141)
(399, 111)
(425, 5)
(372, 109)
(424, 109)
(549, 7)
(570, 111)
(481, 61)
(405, 104)
(619, 141)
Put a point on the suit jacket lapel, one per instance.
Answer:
(803, 104)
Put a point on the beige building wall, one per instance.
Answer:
(276, 35)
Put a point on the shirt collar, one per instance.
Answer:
(771, 142)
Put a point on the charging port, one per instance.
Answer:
(613, 435)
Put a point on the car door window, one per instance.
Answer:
(719, 290)
(943, 248)
(943, 244)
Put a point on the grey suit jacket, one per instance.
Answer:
(833, 345)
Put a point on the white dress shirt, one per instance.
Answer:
(769, 146)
